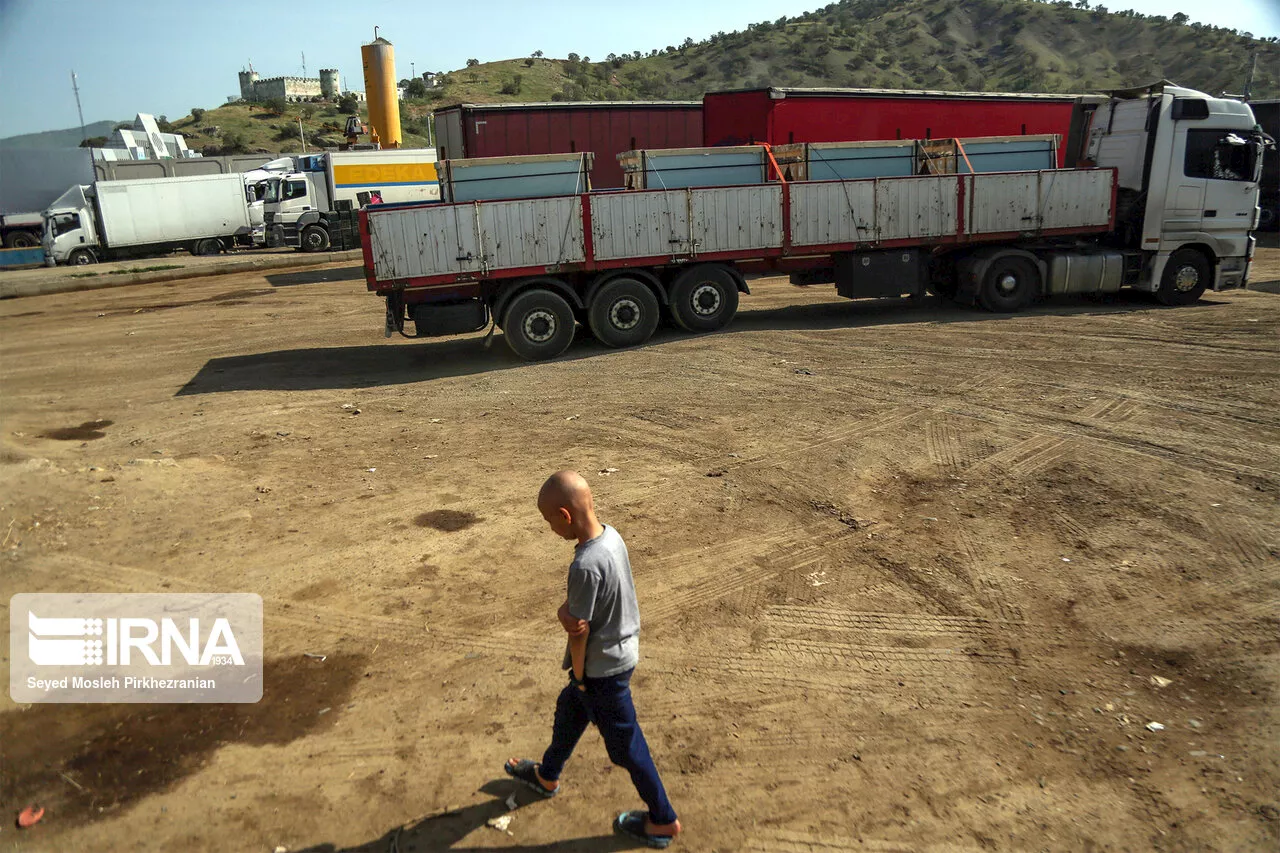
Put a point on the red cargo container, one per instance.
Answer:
(606, 128)
(779, 116)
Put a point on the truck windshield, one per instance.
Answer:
(61, 223)
(1221, 155)
(272, 191)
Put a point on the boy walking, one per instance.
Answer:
(602, 620)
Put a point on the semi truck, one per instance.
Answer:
(305, 208)
(107, 220)
(1268, 115)
(1163, 204)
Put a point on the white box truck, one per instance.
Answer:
(310, 209)
(203, 214)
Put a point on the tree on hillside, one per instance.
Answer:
(197, 114)
(1180, 19)
(573, 57)
(537, 54)
(93, 142)
(348, 103)
(472, 63)
(275, 106)
(416, 88)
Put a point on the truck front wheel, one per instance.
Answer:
(1185, 277)
(623, 313)
(1010, 284)
(314, 239)
(704, 298)
(82, 257)
(538, 325)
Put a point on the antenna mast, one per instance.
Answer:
(75, 87)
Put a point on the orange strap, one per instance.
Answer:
(768, 150)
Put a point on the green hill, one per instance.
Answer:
(974, 45)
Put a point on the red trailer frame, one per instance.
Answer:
(606, 128)
(781, 116)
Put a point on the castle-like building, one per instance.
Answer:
(255, 88)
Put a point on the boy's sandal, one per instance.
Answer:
(631, 824)
(526, 772)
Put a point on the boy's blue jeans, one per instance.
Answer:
(607, 703)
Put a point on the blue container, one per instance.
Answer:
(679, 168)
(17, 258)
(531, 176)
(1009, 154)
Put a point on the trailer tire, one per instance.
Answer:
(704, 298)
(314, 239)
(623, 313)
(538, 324)
(1185, 278)
(1009, 285)
(207, 246)
(21, 240)
(82, 257)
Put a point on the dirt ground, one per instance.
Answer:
(906, 571)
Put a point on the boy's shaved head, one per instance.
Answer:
(565, 502)
(565, 489)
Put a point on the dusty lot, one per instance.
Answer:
(906, 571)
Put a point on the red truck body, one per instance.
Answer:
(606, 128)
(780, 116)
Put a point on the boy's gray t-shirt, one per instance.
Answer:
(602, 593)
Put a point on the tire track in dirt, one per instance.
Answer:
(940, 442)
(833, 619)
(988, 587)
(1027, 456)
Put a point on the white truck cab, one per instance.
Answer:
(1188, 168)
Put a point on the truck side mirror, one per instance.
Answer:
(1190, 109)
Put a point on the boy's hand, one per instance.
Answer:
(573, 626)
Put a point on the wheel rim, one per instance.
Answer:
(539, 325)
(624, 314)
(705, 300)
(313, 240)
(1007, 283)
(81, 259)
(1186, 279)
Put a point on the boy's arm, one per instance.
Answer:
(572, 625)
(578, 654)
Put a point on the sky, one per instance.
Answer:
(167, 56)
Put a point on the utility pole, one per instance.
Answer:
(76, 88)
(304, 63)
(302, 135)
(412, 73)
(1248, 84)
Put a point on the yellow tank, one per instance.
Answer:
(380, 88)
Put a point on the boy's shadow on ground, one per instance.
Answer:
(440, 831)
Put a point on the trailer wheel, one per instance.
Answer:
(1186, 275)
(538, 325)
(82, 257)
(314, 239)
(1011, 284)
(704, 298)
(207, 246)
(623, 313)
(21, 240)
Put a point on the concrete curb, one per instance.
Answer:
(65, 284)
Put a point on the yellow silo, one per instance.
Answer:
(380, 89)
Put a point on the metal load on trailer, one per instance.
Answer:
(614, 261)
(533, 176)
(838, 161)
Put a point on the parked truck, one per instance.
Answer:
(1164, 205)
(106, 220)
(1268, 115)
(304, 208)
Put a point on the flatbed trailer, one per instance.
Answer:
(613, 261)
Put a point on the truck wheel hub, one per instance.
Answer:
(1186, 279)
(624, 314)
(540, 326)
(1007, 283)
(706, 300)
